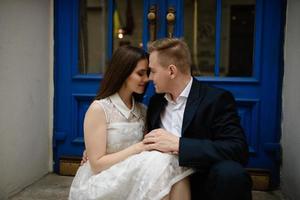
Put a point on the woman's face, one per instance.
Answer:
(138, 79)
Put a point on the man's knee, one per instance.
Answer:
(229, 171)
(229, 179)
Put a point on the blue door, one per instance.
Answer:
(235, 44)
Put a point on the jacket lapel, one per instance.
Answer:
(192, 104)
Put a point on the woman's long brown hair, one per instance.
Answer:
(122, 64)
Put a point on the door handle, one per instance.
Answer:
(170, 21)
(152, 22)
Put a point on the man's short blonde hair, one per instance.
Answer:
(172, 51)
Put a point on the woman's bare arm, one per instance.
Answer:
(95, 140)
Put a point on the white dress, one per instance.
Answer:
(145, 176)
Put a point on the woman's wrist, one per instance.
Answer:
(137, 148)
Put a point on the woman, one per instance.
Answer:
(120, 165)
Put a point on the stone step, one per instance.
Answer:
(54, 186)
(260, 177)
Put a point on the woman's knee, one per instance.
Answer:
(181, 190)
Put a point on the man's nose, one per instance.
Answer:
(150, 77)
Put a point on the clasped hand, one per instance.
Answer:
(162, 140)
(158, 139)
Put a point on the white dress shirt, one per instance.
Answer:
(172, 117)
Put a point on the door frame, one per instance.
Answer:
(270, 22)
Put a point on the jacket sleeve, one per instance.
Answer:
(228, 140)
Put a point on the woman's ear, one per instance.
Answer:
(173, 71)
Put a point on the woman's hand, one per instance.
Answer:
(84, 157)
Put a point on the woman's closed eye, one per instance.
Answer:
(142, 73)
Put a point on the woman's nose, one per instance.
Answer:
(146, 79)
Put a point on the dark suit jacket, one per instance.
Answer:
(211, 130)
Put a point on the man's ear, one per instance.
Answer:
(173, 71)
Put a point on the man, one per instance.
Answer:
(197, 122)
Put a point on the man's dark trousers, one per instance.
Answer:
(226, 180)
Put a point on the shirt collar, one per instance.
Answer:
(121, 106)
(187, 89)
(185, 93)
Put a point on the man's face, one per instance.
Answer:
(158, 74)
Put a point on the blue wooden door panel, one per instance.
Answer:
(73, 91)
(258, 97)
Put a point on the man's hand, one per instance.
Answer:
(162, 140)
(84, 158)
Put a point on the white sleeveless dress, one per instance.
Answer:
(145, 176)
